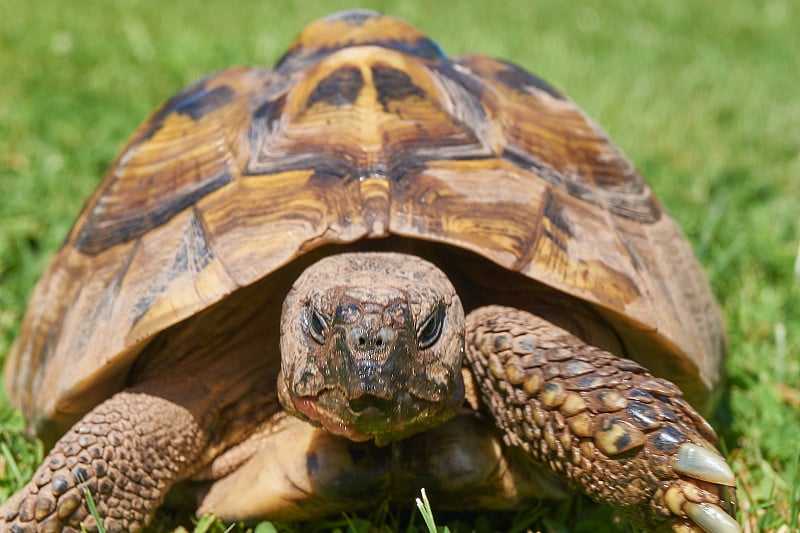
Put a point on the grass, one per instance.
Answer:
(703, 97)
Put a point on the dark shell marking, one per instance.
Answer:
(195, 101)
(339, 88)
(392, 84)
(100, 233)
(523, 81)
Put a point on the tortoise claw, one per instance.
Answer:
(702, 463)
(711, 518)
(706, 465)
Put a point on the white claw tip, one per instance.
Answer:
(711, 518)
(702, 463)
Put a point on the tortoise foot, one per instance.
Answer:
(603, 423)
(126, 453)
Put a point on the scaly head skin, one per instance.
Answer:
(371, 346)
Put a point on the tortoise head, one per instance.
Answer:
(371, 346)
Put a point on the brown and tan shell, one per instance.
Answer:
(364, 129)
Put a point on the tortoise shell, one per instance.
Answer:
(364, 129)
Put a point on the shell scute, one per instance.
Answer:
(181, 154)
(363, 28)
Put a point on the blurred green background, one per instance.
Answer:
(704, 97)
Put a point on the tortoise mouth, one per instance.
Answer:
(371, 404)
(372, 417)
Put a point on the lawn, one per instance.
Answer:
(703, 96)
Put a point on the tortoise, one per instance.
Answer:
(369, 269)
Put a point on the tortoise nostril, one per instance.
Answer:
(363, 339)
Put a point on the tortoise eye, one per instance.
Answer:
(315, 325)
(431, 329)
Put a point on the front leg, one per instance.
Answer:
(602, 422)
(127, 452)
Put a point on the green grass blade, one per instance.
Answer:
(425, 510)
(11, 462)
(92, 510)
